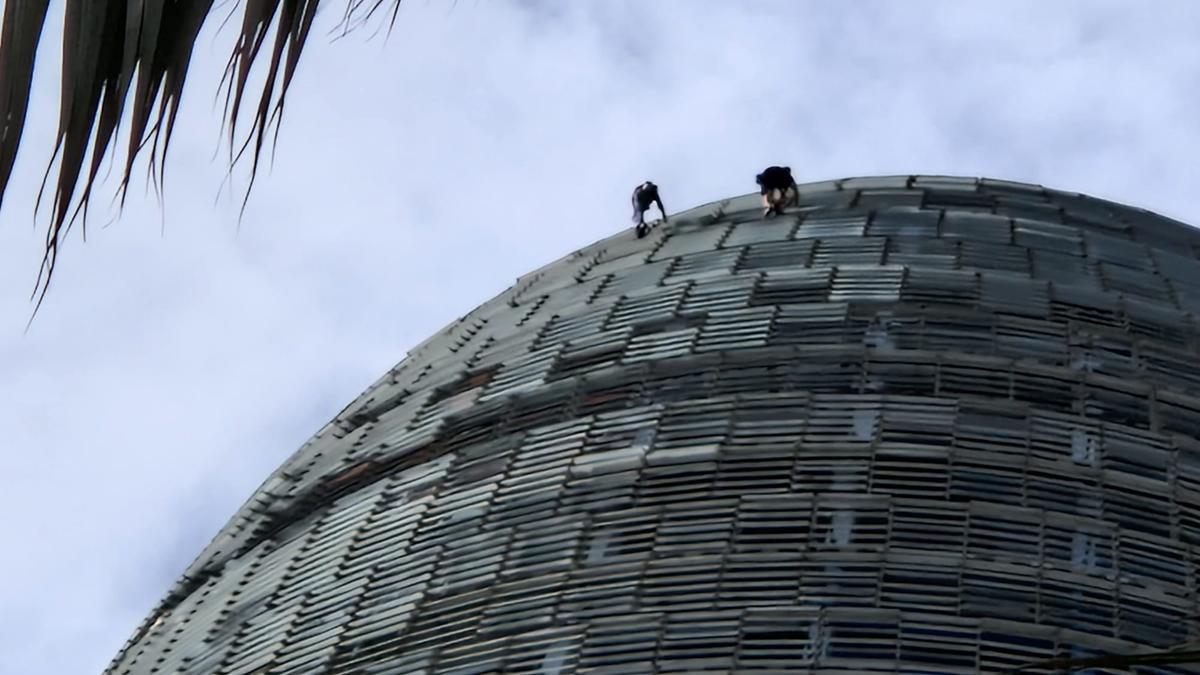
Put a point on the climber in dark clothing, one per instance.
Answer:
(778, 189)
(644, 196)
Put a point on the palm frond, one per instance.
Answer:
(106, 44)
(19, 37)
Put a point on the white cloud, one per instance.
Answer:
(167, 375)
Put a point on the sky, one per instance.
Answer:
(181, 355)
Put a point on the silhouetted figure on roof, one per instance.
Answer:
(644, 196)
(778, 189)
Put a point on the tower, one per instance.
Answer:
(916, 424)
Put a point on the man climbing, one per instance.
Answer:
(778, 189)
(643, 196)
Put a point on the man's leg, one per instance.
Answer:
(791, 197)
(774, 201)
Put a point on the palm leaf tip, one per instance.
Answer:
(19, 37)
(127, 61)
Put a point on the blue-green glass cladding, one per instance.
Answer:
(917, 424)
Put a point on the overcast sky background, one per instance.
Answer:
(177, 361)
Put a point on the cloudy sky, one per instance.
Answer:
(179, 359)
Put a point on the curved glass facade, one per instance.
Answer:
(916, 424)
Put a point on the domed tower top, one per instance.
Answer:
(952, 410)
